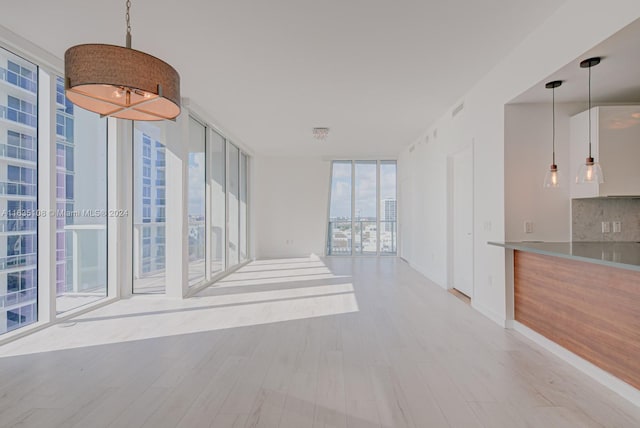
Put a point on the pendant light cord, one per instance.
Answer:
(128, 19)
(553, 140)
(589, 110)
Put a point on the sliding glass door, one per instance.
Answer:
(196, 202)
(149, 206)
(218, 211)
(233, 220)
(244, 217)
(81, 202)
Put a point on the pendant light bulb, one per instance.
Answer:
(552, 178)
(590, 171)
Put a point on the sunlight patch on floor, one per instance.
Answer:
(241, 300)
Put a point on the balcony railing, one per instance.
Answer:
(19, 225)
(17, 152)
(18, 80)
(19, 297)
(361, 237)
(18, 261)
(20, 189)
(18, 116)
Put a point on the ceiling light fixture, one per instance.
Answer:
(121, 82)
(552, 178)
(320, 133)
(590, 171)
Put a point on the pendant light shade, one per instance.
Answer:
(121, 82)
(552, 178)
(590, 171)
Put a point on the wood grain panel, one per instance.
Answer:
(592, 310)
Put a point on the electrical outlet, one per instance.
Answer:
(617, 227)
(528, 227)
(606, 227)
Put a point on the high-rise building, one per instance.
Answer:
(18, 191)
(388, 212)
(149, 220)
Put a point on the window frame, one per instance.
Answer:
(353, 253)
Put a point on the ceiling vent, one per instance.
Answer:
(320, 134)
(457, 110)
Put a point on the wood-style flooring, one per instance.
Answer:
(341, 342)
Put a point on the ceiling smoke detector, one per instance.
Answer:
(320, 133)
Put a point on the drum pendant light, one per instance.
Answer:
(590, 171)
(552, 178)
(121, 82)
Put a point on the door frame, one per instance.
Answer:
(450, 218)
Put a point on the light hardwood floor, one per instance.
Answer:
(297, 343)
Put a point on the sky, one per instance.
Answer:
(365, 187)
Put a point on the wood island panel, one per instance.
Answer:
(590, 309)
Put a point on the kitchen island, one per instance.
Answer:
(584, 296)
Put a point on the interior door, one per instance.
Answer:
(463, 222)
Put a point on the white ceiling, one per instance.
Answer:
(615, 80)
(377, 72)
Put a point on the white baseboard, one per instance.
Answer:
(422, 271)
(498, 319)
(616, 385)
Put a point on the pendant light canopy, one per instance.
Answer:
(552, 178)
(121, 82)
(590, 171)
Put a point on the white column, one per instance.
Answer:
(177, 234)
(46, 197)
(120, 203)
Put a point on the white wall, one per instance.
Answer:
(290, 197)
(576, 27)
(527, 134)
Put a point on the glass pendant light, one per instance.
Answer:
(552, 178)
(590, 171)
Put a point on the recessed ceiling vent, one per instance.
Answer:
(320, 134)
(457, 110)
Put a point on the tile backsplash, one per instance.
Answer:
(587, 216)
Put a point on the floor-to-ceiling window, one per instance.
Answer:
(233, 205)
(366, 211)
(217, 173)
(388, 208)
(81, 204)
(340, 231)
(244, 227)
(196, 202)
(362, 208)
(149, 206)
(18, 191)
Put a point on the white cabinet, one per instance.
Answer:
(615, 143)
